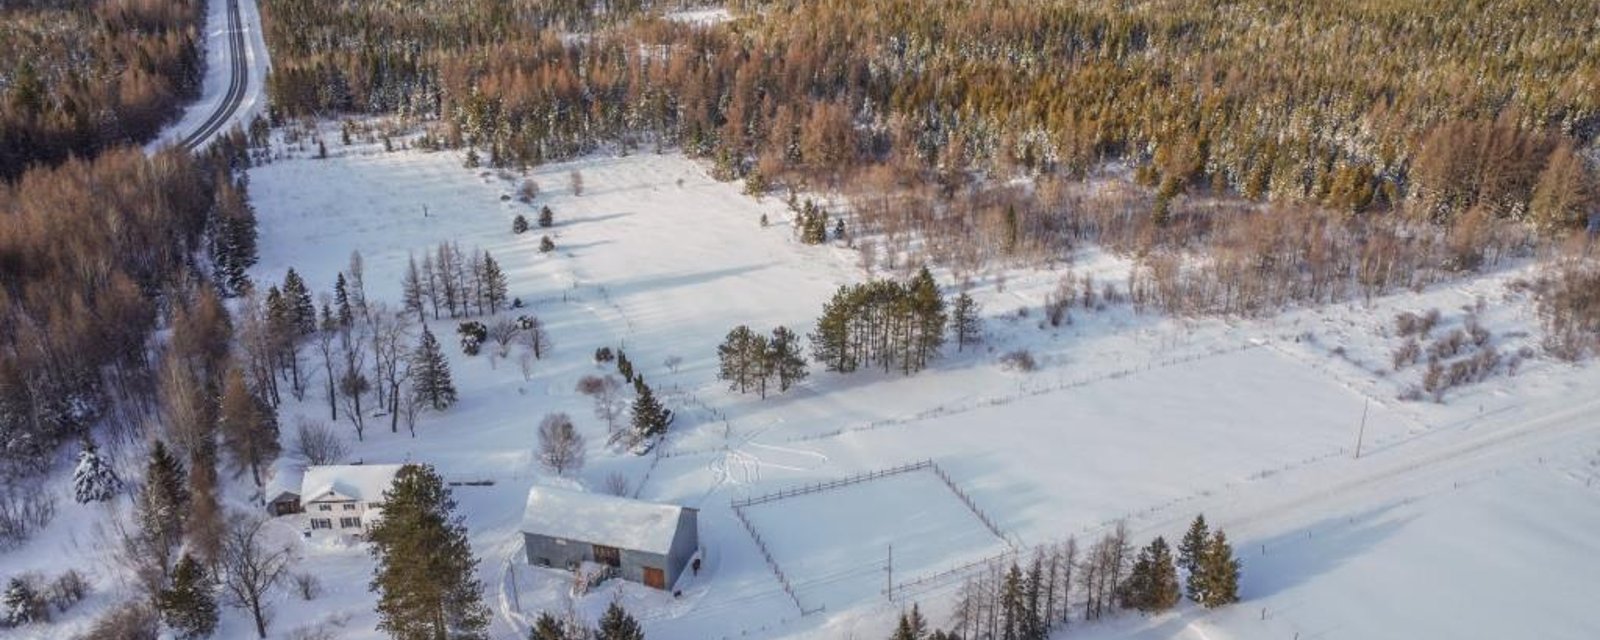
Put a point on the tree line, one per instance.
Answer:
(1028, 601)
(881, 323)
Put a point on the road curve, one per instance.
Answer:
(238, 83)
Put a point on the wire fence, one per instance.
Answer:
(783, 580)
(831, 484)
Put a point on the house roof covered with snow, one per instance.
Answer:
(287, 477)
(364, 482)
(601, 519)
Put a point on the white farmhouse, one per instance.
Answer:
(346, 498)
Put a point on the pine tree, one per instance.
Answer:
(1219, 573)
(341, 302)
(425, 573)
(734, 364)
(519, 224)
(649, 417)
(1192, 547)
(617, 624)
(784, 359)
(548, 627)
(431, 373)
(411, 291)
(929, 315)
(547, 218)
(494, 284)
(830, 341)
(302, 312)
(966, 320)
(188, 606)
(94, 480)
(912, 626)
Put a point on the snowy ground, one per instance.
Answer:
(1484, 498)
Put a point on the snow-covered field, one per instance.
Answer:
(1471, 518)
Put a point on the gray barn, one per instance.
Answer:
(645, 542)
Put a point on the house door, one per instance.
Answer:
(654, 577)
(609, 556)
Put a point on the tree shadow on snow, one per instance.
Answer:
(1296, 557)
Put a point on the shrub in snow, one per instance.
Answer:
(67, 589)
(546, 245)
(472, 333)
(547, 218)
(603, 355)
(131, 620)
(519, 224)
(1019, 360)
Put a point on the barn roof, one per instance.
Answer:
(364, 482)
(601, 519)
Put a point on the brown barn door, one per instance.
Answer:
(654, 577)
(609, 556)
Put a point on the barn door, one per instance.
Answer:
(654, 577)
(609, 556)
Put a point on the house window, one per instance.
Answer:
(374, 505)
(609, 556)
(349, 506)
(321, 523)
(350, 523)
(325, 507)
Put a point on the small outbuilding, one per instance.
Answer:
(644, 542)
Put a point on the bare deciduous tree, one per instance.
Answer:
(616, 484)
(250, 568)
(607, 406)
(315, 441)
(560, 444)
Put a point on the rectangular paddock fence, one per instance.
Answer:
(739, 506)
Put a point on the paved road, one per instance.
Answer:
(238, 83)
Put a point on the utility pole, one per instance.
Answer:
(890, 589)
(1361, 434)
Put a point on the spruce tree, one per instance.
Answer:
(1162, 589)
(20, 604)
(1193, 545)
(431, 373)
(94, 480)
(547, 218)
(649, 417)
(425, 573)
(164, 501)
(617, 624)
(1135, 592)
(546, 245)
(411, 289)
(519, 224)
(912, 626)
(341, 301)
(301, 310)
(1219, 573)
(624, 367)
(188, 606)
